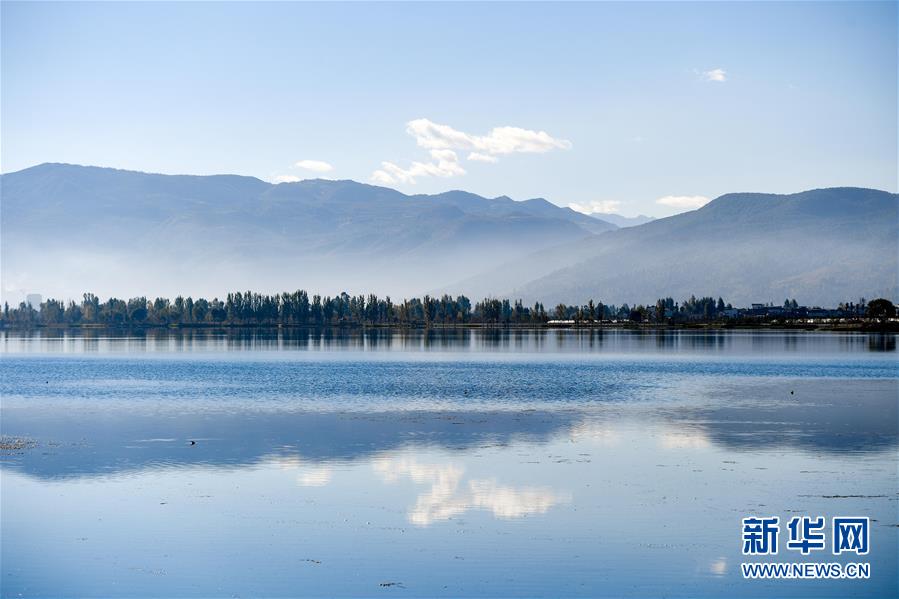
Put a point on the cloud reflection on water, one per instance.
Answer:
(684, 439)
(718, 567)
(307, 475)
(448, 497)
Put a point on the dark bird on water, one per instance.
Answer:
(193, 442)
(791, 393)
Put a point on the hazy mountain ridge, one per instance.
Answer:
(73, 227)
(68, 229)
(820, 246)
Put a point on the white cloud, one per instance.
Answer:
(683, 202)
(443, 141)
(597, 207)
(286, 179)
(445, 163)
(500, 140)
(477, 157)
(382, 177)
(719, 75)
(318, 166)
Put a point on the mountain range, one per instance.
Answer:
(67, 229)
(821, 247)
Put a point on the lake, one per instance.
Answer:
(443, 463)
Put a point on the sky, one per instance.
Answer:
(637, 108)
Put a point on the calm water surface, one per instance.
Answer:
(462, 463)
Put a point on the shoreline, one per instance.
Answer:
(856, 326)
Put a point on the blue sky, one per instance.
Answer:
(633, 108)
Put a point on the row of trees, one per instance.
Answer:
(297, 308)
